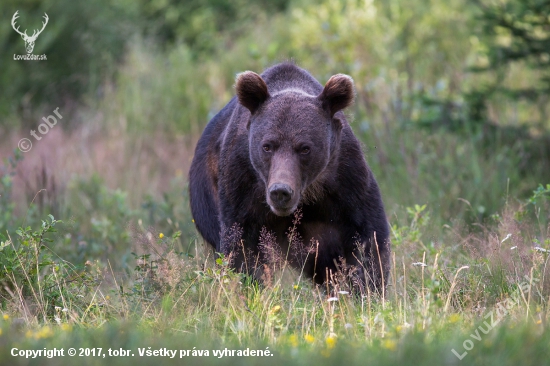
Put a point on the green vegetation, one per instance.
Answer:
(97, 244)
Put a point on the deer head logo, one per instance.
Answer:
(29, 41)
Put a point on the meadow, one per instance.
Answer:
(98, 250)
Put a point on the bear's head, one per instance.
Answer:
(293, 136)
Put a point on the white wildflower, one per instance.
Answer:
(506, 238)
(420, 264)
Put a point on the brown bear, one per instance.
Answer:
(283, 146)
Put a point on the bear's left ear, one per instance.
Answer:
(251, 90)
(337, 94)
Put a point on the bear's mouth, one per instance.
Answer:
(282, 211)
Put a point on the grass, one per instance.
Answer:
(507, 345)
(486, 294)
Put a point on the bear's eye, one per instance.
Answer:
(267, 148)
(304, 150)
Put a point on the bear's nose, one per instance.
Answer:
(280, 194)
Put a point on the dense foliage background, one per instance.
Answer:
(452, 106)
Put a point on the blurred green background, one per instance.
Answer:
(452, 104)
(453, 111)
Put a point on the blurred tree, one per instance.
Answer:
(508, 100)
(85, 40)
(82, 41)
(509, 89)
(518, 31)
(199, 22)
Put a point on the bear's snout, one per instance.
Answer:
(280, 194)
(281, 199)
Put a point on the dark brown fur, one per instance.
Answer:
(285, 144)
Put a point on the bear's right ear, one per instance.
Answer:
(251, 90)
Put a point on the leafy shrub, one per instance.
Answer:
(32, 274)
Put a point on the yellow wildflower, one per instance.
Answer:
(454, 318)
(44, 332)
(293, 340)
(161, 235)
(331, 342)
(389, 344)
(309, 338)
(6, 316)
